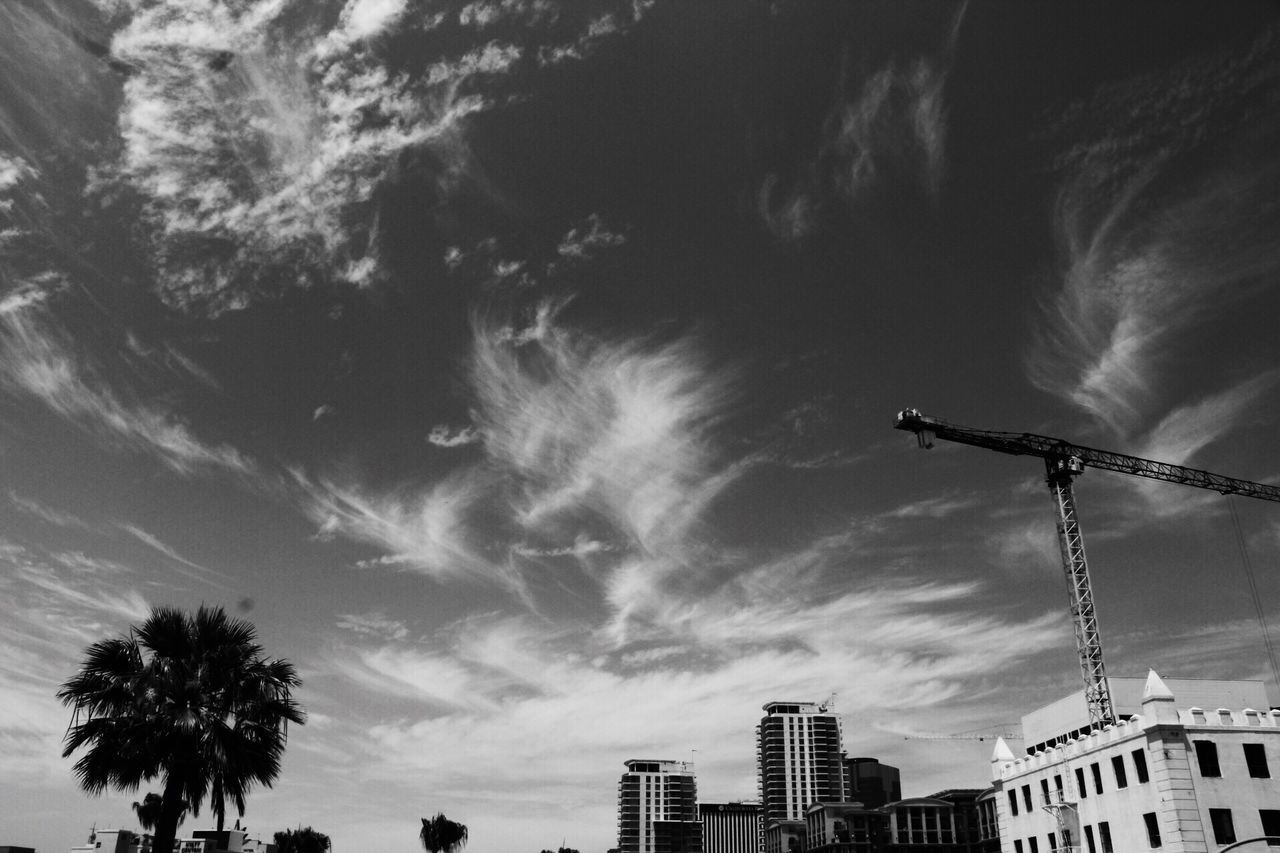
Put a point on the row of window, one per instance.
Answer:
(1224, 832)
(1255, 756)
(1224, 828)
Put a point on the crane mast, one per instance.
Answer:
(1064, 462)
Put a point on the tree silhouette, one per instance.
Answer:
(188, 699)
(441, 835)
(304, 839)
(148, 811)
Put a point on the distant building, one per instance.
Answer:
(730, 827)
(200, 841)
(871, 783)
(784, 836)
(658, 808)
(844, 828)
(115, 841)
(945, 822)
(1174, 776)
(799, 760)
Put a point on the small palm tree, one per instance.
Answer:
(441, 835)
(188, 699)
(148, 811)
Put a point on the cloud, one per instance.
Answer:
(256, 148)
(591, 427)
(587, 238)
(38, 362)
(443, 436)
(373, 625)
(430, 531)
(53, 610)
(1149, 259)
(52, 516)
(887, 128)
(198, 572)
(490, 688)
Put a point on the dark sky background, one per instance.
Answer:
(525, 370)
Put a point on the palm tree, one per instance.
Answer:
(441, 835)
(188, 699)
(304, 839)
(148, 811)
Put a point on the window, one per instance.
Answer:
(1270, 824)
(1117, 764)
(1088, 837)
(1013, 802)
(1053, 841)
(1035, 845)
(1207, 757)
(1084, 792)
(1026, 797)
(1017, 845)
(1066, 838)
(1140, 764)
(1044, 789)
(1104, 834)
(1153, 829)
(1224, 830)
(1057, 784)
(1255, 755)
(1097, 776)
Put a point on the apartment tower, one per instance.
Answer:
(799, 760)
(658, 808)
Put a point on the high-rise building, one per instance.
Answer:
(658, 808)
(730, 827)
(799, 760)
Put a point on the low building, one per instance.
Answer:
(1173, 777)
(945, 822)
(784, 836)
(730, 827)
(844, 828)
(115, 841)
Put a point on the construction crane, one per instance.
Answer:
(1064, 462)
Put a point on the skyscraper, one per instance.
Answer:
(658, 808)
(799, 759)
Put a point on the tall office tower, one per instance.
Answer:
(658, 808)
(730, 827)
(799, 759)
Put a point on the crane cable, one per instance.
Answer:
(1253, 590)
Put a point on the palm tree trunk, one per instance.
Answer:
(170, 812)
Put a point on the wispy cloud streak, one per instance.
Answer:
(1148, 259)
(37, 361)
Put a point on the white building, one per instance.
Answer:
(1175, 778)
(658, 807)
(799, 758)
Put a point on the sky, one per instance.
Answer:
(525, 372)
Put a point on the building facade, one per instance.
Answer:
(1178, 779)
(799, 760)
(658, 808)
(871, 783)
(730, 827)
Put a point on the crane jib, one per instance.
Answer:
(1063, 462)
